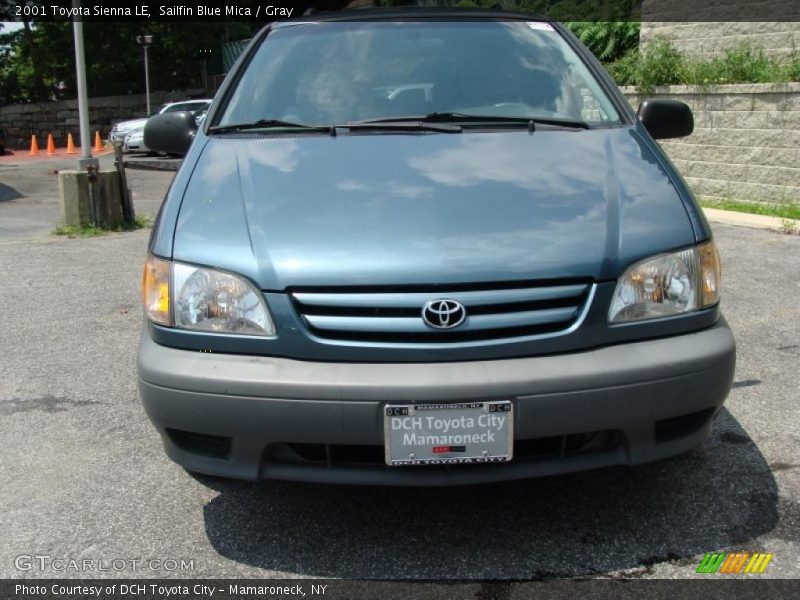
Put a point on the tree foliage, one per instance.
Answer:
(608, 40)
(38, 63)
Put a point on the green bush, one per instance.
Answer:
(743, 64)
(660, 63)
(625, 70)
(608, 40)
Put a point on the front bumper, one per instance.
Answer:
(256, 417)
(136, 145)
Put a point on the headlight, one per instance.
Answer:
(668, 284)
(207, 300)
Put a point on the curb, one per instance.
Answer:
(729, 217)
(154, 164)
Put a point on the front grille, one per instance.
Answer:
(394, 315)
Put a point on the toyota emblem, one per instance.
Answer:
(443, 314)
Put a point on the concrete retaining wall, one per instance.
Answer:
(20, 121)
(746, 141)
(706, 40)
(706, 29)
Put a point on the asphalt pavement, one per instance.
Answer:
(84, 475)
(29, 195)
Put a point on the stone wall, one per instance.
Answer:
(706, 40)
(706, 29)
(20, 121)
(746, 141)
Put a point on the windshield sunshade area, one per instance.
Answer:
(344, 72)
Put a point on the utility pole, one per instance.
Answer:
(86, 159)
(145, 41)
(83, 199)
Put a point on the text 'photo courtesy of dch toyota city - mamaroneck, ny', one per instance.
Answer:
(480, 299)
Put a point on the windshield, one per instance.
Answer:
(190, 106)
(342, 72)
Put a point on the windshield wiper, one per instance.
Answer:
(390, 124)
(265, 124)
(403, 124)
(457, 117)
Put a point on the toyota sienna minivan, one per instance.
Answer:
(428, 248)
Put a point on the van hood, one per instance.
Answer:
(392, 209)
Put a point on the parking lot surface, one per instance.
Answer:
(84, 475)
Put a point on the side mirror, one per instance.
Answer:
(171, 133)
(665, 119)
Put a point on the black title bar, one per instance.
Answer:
(336, 589)
(267, 10)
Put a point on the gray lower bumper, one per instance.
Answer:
(258, 401)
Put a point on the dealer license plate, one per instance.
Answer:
(442, 434)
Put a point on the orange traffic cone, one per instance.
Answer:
(51, 145)
(34, 146)
(70, 144)
(98, 143)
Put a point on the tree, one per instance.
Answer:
(24, 53)
(38, 61)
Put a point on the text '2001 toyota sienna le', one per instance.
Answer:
(425, 249)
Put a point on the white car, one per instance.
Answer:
(123, 129)
(134, 142)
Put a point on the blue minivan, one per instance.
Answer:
(428, 248)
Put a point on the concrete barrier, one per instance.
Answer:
(77, 197)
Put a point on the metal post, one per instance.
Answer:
(145, 41)
(83, 96)
(128, 214)
(147, 79)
